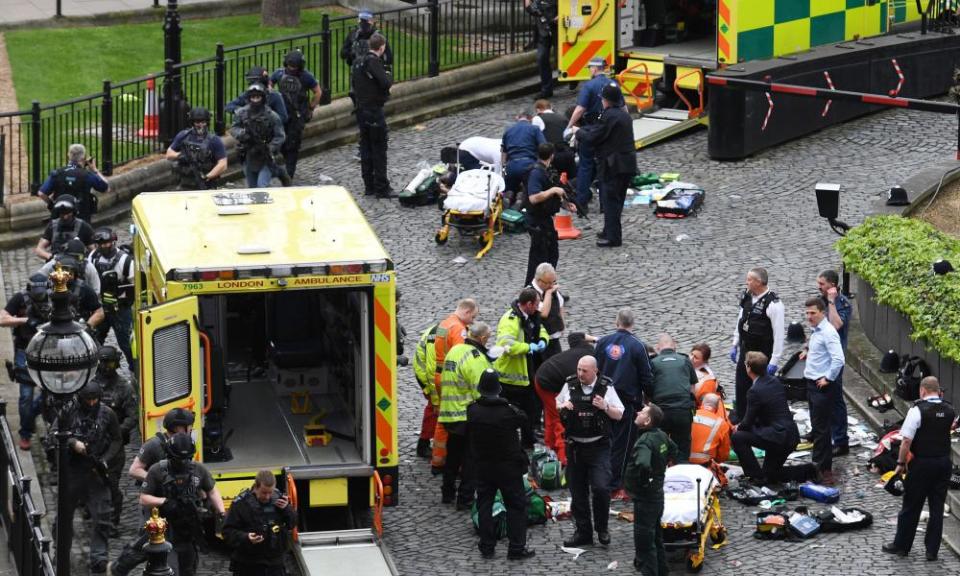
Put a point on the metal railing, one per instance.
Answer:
(113, 124)
(21, 520)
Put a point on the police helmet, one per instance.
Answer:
(198, 114)
(181, 447)
(257, 74)
(37, 287)
(70, 263)
(178, 417)
(365, 16)
(104, 235)
(294, 59)
(76, 247)
(109, 358)
(65, 203)
(91, 391)
(256, 88)
(489, 385)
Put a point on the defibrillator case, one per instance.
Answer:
(513, 220)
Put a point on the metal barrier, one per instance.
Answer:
(139, 117)
(19, 516)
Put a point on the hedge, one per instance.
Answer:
(895, 255)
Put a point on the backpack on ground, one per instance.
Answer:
(912, 370)
(680, 201)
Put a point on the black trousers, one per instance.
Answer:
(774, 457)
(545, 44)
(524, 398)
(373, 150)
(544, 246)
(491, 478)
(743, 383)
(458, 465)
(677, 423)
(613, 193)
(822, 402)
(623, 437)
(927, 479)
(650, 555)
(588, 477)
(291, 144)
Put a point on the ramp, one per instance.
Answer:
(357, 552)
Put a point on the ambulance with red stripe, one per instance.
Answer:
(272, 315)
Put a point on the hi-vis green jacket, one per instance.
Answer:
(512, 364)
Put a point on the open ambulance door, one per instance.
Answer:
(170, 363)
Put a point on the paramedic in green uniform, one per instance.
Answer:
(643, 480)
(674, 379)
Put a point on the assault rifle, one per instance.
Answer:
(569, 194)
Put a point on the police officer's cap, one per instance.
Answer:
(103, 235)
(65, 203)
(597, 61)
(178, 417)
(489, 384)
(795, 332)
(91, 391)
(199, 114)
(181, 446)
(365, 15)
(611, 92)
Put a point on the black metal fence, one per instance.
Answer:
(21, 520)
(132, 119)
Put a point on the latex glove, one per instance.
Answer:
(536, 347)
(772, 369)
(733, 354)
(568, 132)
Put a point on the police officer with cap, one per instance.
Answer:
(611, 139)
(75, 249)
(94, 442)
(587, 403)
(115, 270)
(24, 312)
(258, 528)
(259, 75)
(501, 463)
(295, 83)
(200, 154)
(371, 82)
(587, 112)
(118, 396)
(926, 435)
(64, 227)
(357, 42)
(78, 179)
(260, 133)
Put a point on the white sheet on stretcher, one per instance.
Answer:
(474, 191)
(680, 493)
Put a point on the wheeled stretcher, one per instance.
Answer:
(473, 206)
(691, 512)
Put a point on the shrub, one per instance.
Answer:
(895, 256)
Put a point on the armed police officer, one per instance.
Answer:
(24, 312)
(357, 43)
(544, 200)
(301, 94)
(84, 302)
(118, 396)
(178, 486)
(78, 179)
(77, 251)
(258, 528)
(259, 75)
(371, 83)
(115, 269)
(200, 155)
(545, 13)
(64, 227)
(94, 442)
(260, 133)
(587, 403)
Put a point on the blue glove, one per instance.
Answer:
(771, 369)
(537, 347)
(733, 354)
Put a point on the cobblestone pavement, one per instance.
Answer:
(680, 276)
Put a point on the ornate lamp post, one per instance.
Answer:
(61, 357)
(158, 547)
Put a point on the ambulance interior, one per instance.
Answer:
(283, 361)
(681, 29)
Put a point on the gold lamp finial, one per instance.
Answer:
(60, 277)
(156, 527)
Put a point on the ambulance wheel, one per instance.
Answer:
(719, 536)
(441, 237)
(694, 564)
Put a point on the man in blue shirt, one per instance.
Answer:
(78, 178)
(824, 356)
(259, 75)
(199, 154)
(518, 151)
(623, 358)
(543, 201)
(294, 83)
(839, 310)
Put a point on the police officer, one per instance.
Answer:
(545, 12)
(258, 528)
(118, 396)
(260, 133)
(371, 83)
(294, 83)
(115, 269)
(611, 140)
(644, 482)
(64, 226)
(83, 299)
(78, 179)
(587, 112)
(24, 312)
(926, 435)
(200, 155)
(544, 200)
(94, 441)
(78, 251)
(259, 75)
(425, 369)
(519, 149)
(462, 367)
(587, 403)
(357, 43)
(760, 329)
(177, 486)
(501, 463)
(672, 391)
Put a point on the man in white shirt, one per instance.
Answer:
(478, 150)
(824, 361)
(551, 306)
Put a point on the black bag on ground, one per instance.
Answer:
(913, 369)
(829, 523)
(798, 473)
(791, 375)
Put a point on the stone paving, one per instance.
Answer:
(680, 276)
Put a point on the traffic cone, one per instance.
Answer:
(564, 225)
(151, 117)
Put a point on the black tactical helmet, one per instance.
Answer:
(37, 287)
(181, 447)
(76, 248)
(65, 203)
(90, 391)
(70, 263)
(178, 417)
(199, 114)
(257, 74)
(294, 59)
(257, 88)
(103, 235)
(109, 358)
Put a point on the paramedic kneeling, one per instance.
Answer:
(926, 434)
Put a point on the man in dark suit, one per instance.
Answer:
(767, 424)
(612, 139)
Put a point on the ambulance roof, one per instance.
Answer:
(262, 227)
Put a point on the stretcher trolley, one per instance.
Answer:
(473, 206)
(691, 512)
